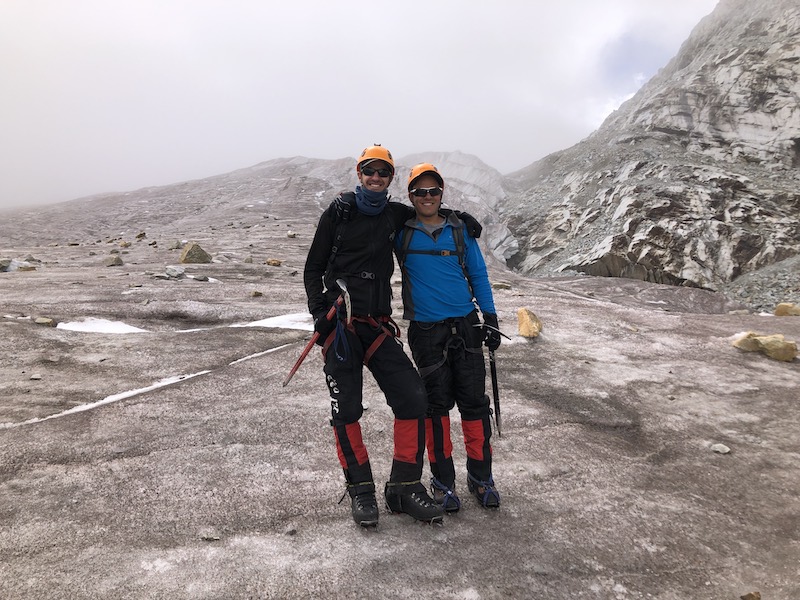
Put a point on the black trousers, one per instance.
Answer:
(405, 394)
(449, 355)
(460, 380)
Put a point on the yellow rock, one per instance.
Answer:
(530, 325)
(274, 262)
(787, 309)
(774, 346)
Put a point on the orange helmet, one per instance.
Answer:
(376, 152)
(422, 169)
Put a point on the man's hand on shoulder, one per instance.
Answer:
(344, 205)
(474, 228)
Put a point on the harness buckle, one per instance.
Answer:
(367, 275)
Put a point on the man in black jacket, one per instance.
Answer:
(358, 250)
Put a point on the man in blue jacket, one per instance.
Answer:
(444, 278)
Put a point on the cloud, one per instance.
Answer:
(111, 96)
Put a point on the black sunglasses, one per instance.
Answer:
(369, 172)
(422, 192)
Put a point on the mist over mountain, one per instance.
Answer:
(691, 182)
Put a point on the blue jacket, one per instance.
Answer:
(434, 286)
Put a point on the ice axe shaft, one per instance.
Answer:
(343, 297)
(495, 392)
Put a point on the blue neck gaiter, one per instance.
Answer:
(369, 202)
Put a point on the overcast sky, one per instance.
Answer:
(114, 95)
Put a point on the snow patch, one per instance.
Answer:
(94, 325)
(291, 321)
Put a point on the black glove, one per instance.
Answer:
(324, 327)
(491, 331)
(344, 204)
(473, 227)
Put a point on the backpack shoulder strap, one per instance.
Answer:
(403, 251)
(458, 238)
(348, 201)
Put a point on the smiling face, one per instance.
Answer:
(427, 206)
(370, 175)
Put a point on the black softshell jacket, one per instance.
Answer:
(364, 260)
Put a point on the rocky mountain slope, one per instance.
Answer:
(694, 181)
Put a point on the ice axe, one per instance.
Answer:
(495, 392)
(495, 388)
(344, 297)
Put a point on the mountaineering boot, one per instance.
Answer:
(363, 504)
(444, 495)
(412, 498)
(484, 491)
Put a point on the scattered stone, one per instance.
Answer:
(721, 449)
(209, 535)
(200, 278)
(530, 326)
(35, 377)
(273, 262)
(12, 264)
(113, 261)
(249, 260)
(291, 234)
(73, 244)
(114, 251)
(194, 254)
(175, 246)
(787, 309)
(256, 294)
(47, 321)
(124, 244)
(751, 596)
(175, 272)
(141, 235)
(153, 243)
(501, 285)
(774, 346)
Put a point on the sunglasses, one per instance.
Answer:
(422, 192)
(369, 172)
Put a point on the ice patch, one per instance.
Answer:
(94, 325)
(291, 321)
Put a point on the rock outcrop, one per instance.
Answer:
(694, 181)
